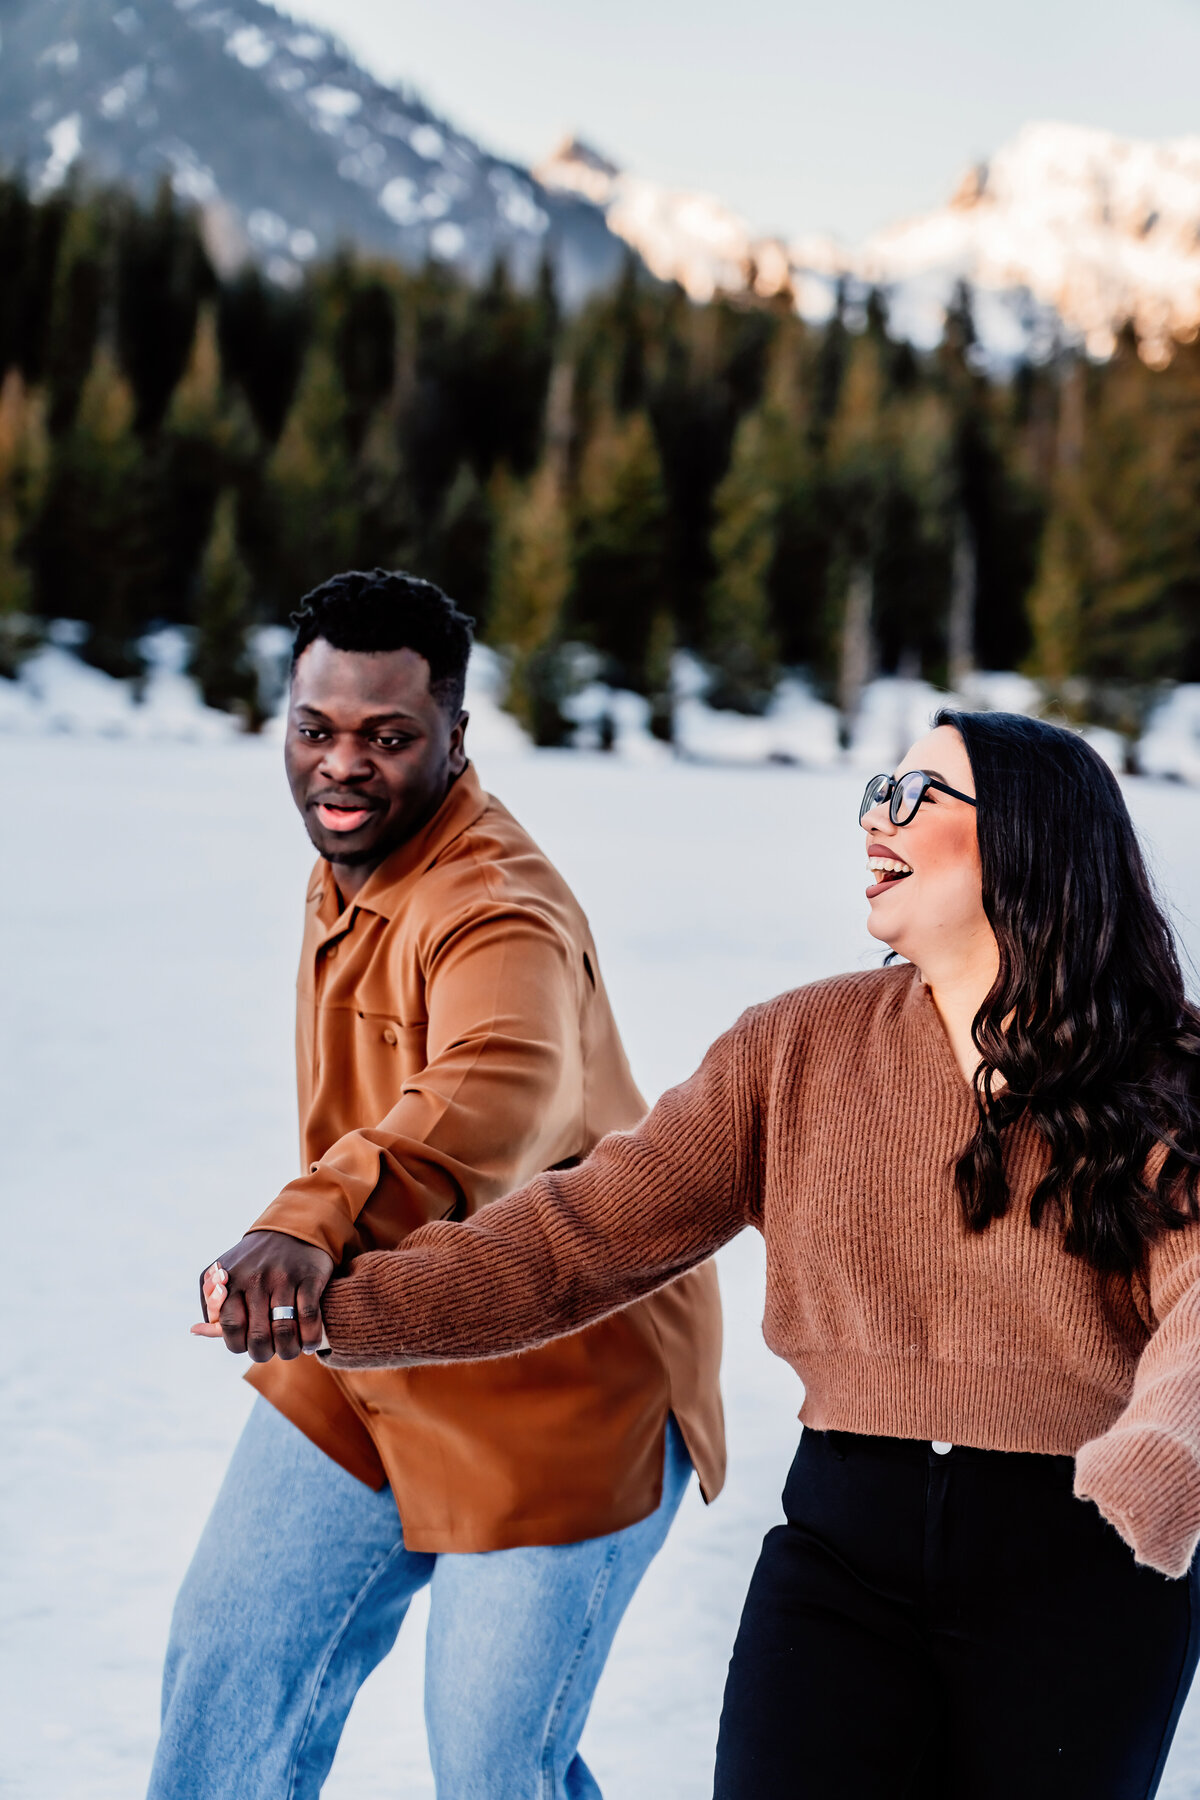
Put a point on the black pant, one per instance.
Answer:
(950, 1627)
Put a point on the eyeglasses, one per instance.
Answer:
(904, 794)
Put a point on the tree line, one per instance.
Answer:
(599, 489)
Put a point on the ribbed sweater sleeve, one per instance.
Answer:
(569, 1247)
(1144, 1472)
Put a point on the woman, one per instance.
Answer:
(975, 1171)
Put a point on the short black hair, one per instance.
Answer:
(387, 609)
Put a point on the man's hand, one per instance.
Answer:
(269, 1269)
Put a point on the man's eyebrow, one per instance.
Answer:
(368, 724)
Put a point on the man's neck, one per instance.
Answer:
(350, 879)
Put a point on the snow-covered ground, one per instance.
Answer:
(58, 695)
(150, 921)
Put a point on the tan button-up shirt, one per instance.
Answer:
(453, 1039)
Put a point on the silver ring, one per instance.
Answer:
(283, 1312)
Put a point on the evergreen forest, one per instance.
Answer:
(598, 489)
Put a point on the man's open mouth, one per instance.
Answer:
(342, 818)
(887, 870)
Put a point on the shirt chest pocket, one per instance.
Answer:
(389, 1054)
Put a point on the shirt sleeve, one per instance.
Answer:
(500, 1096)
(568, 1248)
(1144, 1472)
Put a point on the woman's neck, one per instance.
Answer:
(959, 984)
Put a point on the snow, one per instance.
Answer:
(400, 200)
(447, 239)
(66, 141)
(1170, 745)
(148, 1111)
(334, 103)
(251, 47)
(428, 142)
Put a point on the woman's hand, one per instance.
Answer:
(214, 1285)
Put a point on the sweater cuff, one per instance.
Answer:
(1146, 1482)
(353, 1337)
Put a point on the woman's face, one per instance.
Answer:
(930, 908)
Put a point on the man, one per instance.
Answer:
(453, 1038)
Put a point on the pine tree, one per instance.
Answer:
(23, 457)
(1057, 602)
(500, 351)
(162, 276)
(531, 579)
(207, 442)
(362, 336)
(706, 373)
(93, 548)
(460, 549)
(1119, 546)
(740, 643)
(860, 462)
(311, 486)
(78, 300)
(264, 332)
(621, 559)
(221, 663)
(767, 565)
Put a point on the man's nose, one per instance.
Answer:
(345, 759)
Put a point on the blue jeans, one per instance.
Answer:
(298, 1588)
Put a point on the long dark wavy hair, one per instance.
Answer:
(1087, 1021)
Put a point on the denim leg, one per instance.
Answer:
(296, 1591)
(517, 1642)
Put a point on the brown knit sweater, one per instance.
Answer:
(830, 1118)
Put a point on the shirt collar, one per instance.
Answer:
(384, 890)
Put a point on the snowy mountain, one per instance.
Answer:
(1064, 232)
(287, 144)
(290, 148)
(1100, 228)
(687, 237)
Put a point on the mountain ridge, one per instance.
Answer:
(290, 147)
(287, 145)
(1065, 233)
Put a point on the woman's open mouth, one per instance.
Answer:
(887, 870)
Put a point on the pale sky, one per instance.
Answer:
(840, 116)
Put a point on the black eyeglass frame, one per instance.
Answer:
(872, 796)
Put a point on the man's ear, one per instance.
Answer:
(458, 754)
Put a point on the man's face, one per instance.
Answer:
(369, 752)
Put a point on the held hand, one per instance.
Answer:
(268, 1271)
(214, 1284)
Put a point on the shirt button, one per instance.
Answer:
(389, 1035)
(940, 1449)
